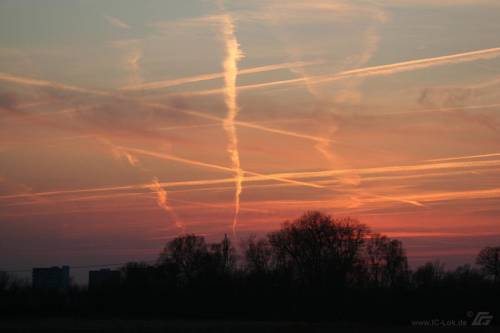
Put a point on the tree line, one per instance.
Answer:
(313, 268)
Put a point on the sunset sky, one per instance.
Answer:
(126, 123)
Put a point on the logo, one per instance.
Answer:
(482, 319)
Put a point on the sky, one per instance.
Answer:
(124, 123)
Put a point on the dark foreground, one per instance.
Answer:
(152, 326)
(313, 270)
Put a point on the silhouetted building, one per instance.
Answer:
(51, 277)
(103, 278)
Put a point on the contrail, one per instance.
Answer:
(211, 188)
(260, 127)
(416, 64)
(212, 76)
(390, 169)
(452, 195)
(399, 199)
(388, 69)
(230, 65)
(218, 122)
(163, 202)
(464, 157)
(255, 178)
(49, 84)
(187, 183)
(60, 86)
(215, 166)
(156, 183)
(414, 199)
(243, 124)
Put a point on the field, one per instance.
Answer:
(54, 325)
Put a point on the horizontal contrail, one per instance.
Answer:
(260, 127)
(213, 76)
(388, 69)
(137, 192)
(416, 64)
(215, 166)
(464, 157)
(416, 198)
(451, 195)
(244, 124)
(255, 178)
(101, 197)
(60, 86)
(49, 84)
(56, 85)
(360, 72)
(390, 169)
(217, 123)
(412, 202)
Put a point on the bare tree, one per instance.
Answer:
(319, 249)
(188, 253)
(258, 255)
(489, 261)
(387, 261)
(429, 275)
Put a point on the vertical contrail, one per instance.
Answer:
(162, 201)
(230, 65)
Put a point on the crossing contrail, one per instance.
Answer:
(289, 175)
(214, 166)
(260, 127)
(213, 76)
(388, 69)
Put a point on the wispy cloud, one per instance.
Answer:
(162, 201)
(119, 152)
(116, 22)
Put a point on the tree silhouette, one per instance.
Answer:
(429, 275)
(387, 261)
(258, 256)
(290, 274)
(318, 249)
(489, 260)
(188, 253)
